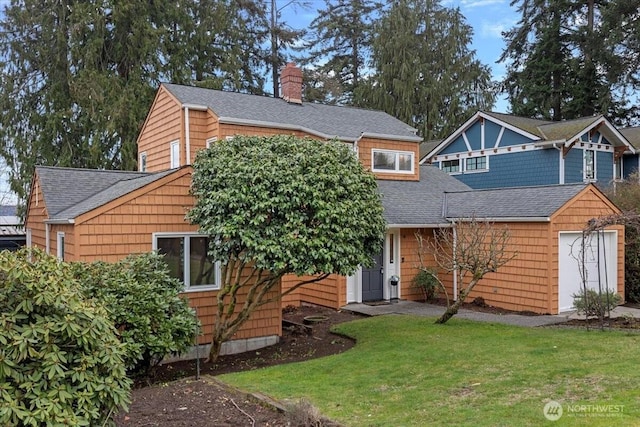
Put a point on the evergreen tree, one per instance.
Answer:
(341, 43)
(77, 78)
(425, 73)
(564, 59)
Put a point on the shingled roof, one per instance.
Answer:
(541, 131)
(532, 203)
(325, 121)
(408, 203)
(70, 192)
(632, 135)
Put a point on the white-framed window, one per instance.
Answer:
(618, 173)
(188, 261)
(589, 165)
(210, 141)
(392, 161)
(60, 245)
(175, 154)
(473, 164)
(450, 166)
(142, 166)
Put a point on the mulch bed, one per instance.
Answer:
(172, 396)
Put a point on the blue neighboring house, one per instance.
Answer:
(492, 150)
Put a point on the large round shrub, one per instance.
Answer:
(60, 359)
(143, 302)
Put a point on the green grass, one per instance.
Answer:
(406, 371)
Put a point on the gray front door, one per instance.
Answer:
(372, 280)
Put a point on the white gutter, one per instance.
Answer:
(444, 225)
(195, 107)
(60, 221)
(505, 219)
(553, 143)
(187, 139)
(260, 123)
(560, 161)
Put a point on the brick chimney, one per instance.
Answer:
(291, 83)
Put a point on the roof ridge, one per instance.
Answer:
(93, 170)
(478, 190)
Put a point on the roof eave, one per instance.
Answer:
(502, 219)
(60, 221)
(438, 225)
(284, 126)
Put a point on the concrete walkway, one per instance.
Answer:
(422, 309)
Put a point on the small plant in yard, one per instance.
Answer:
(426, 280)
(61, 362)
(472, 249)
(595, 304)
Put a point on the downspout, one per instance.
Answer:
(187, 140)
(46, 237)
(355, 145)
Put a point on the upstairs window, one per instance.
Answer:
(450, 166)
(589, 169)
(143, 162)
(476, 164)
(175, 155)
(188, 260)
(392, 161)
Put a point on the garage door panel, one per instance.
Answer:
(592, 261)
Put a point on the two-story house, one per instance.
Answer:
(492, 150)
(86, 215)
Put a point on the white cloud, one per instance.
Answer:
(468, 4)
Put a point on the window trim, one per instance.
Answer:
(185, 260)
(209, 141)
(142, 165)
(486, 164)
(584, 166)
(458, 172)
(60, 244)
(397, 154)
(174, 162)
(618, 169)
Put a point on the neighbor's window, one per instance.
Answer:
(589, 165)
(476, 163)
(392, 161)
(617, 169)
(175, 155)
(451, 166)
(143, 162)
(186, 256)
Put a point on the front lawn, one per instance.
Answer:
(405, 370)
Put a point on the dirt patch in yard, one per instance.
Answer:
(173, 397)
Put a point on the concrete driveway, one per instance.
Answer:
(424, 309)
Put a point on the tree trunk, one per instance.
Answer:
(214, 351)
(451, 311)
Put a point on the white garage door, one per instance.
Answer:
(600, 264)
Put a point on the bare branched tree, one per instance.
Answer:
(472, 249)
